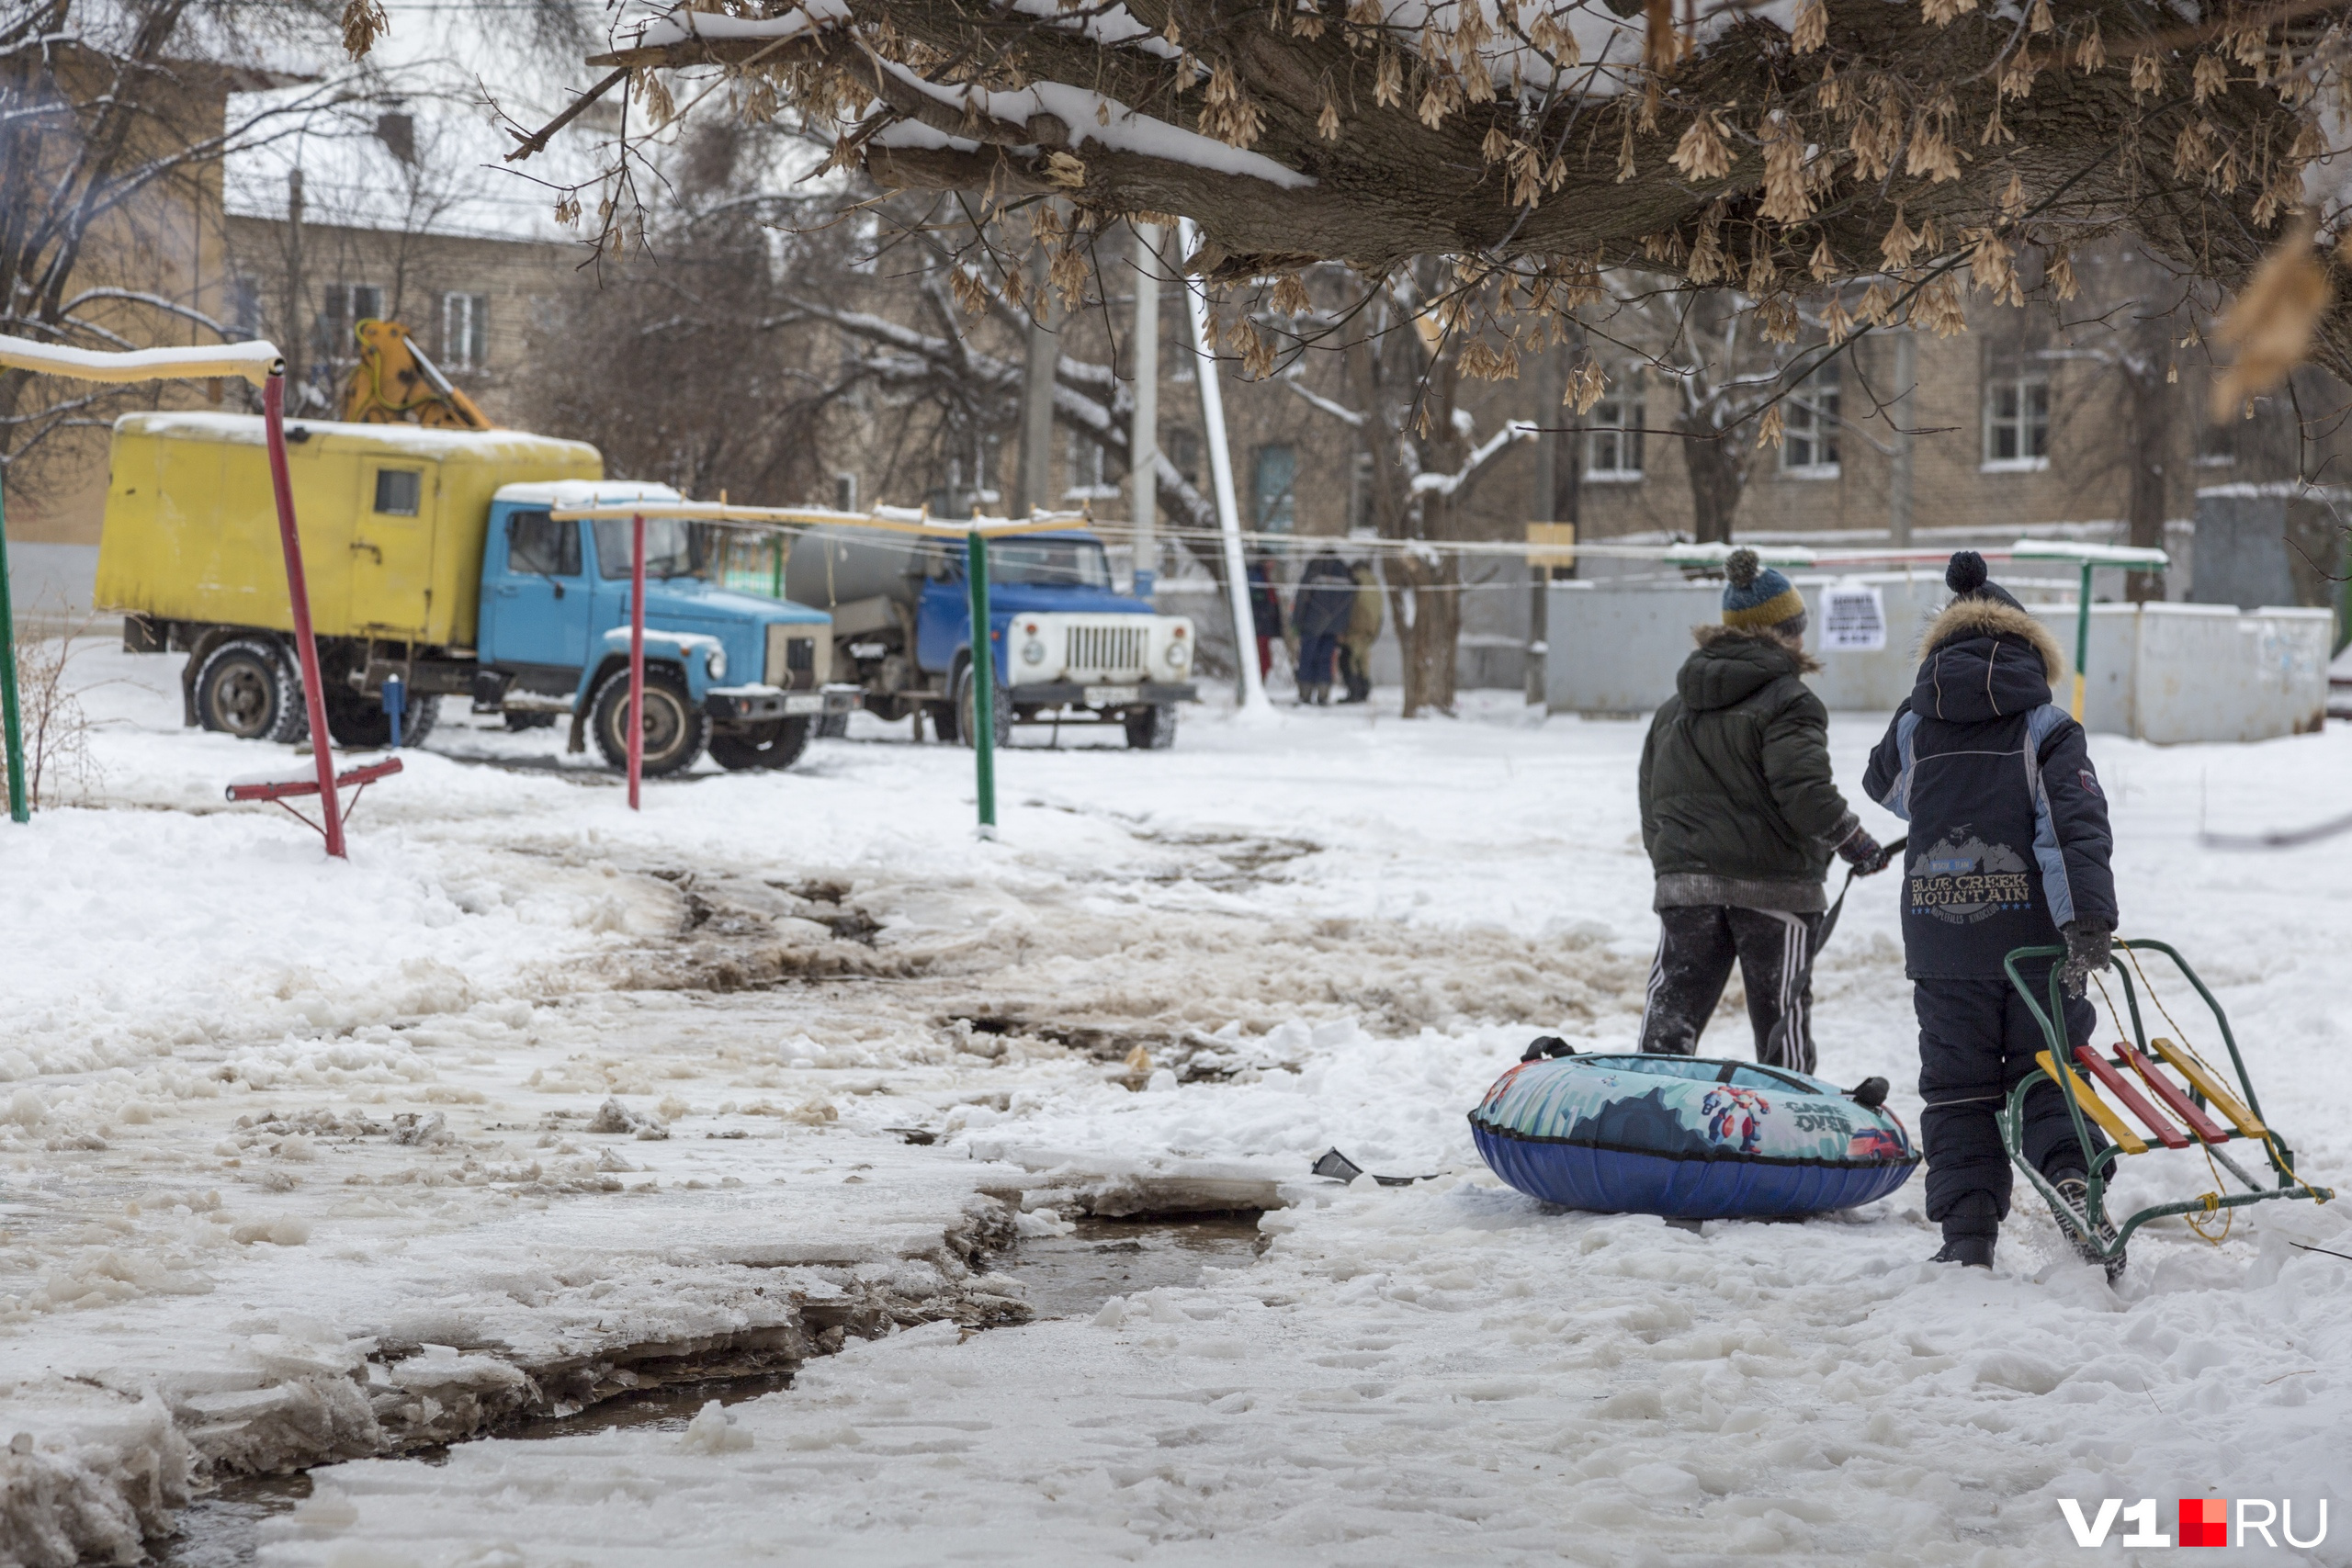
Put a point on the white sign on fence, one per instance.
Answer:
(1853, 620)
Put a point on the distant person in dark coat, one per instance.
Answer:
(2010, 845)
(1321, 609)
(1740, 815)
(1265, 614)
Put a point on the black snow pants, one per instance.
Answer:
(1977, 1040)
(1696, 945)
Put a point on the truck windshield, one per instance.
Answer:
(673, 548)
(1050, 563)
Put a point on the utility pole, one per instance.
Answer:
(296, 338)
(1143, 435)
(1251, 687)
(1036, 464)
(1901, 415)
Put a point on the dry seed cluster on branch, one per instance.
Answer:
(1908, 153)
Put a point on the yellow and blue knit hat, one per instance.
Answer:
(1756, 595)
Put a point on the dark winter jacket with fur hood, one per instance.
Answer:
(1738, 805)
(2009, 837)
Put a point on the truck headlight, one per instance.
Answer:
(1032, 652)
(716, 663)
(1177, 655)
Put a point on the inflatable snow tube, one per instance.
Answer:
(1687, 1138)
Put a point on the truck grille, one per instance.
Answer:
(799, 657)
(1108, 650)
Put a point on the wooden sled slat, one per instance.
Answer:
(2222, 1100)
(2179, 1104)
(2131, 1098)
(2115, 1127)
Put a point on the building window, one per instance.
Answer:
(1809, 440)
(845, 493)
(244, 308)
(347, 305)
(1612, 442)
(1090, 470)
(2216, 443)
(1275, 477)
(1184, 449)
(1363, 514)
(465, 332)
(2016, 410)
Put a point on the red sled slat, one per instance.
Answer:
(2174, 1101)
(2131, 1098)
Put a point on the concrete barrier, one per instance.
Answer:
(2161, 673)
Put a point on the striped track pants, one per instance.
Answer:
(1695, 949)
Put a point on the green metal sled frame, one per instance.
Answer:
(2090, 1220)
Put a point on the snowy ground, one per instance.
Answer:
(297, 1162)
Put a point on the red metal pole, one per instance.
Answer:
(298, 592)
(635, 658)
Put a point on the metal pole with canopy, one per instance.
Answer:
(261, 364)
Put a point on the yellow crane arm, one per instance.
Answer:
(394, 383)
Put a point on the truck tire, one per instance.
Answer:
(674, 728)
(1152, 729)
(775, 745)
(359, 723)
(966, 729)
(247, 688)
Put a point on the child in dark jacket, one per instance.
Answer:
(2009, 844)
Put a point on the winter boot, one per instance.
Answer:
(1972, 1250)
(2074, 1188)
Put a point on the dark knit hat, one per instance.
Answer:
(1966, 577)
(1756, 595)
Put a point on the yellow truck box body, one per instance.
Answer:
(391, 518)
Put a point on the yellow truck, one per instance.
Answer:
(431, 555)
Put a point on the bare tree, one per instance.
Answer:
(112, 130)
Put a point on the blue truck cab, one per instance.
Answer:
(1065, 643)
(741, 673)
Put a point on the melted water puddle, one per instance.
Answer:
(1068, 1276)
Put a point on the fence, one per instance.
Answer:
(2161, 673)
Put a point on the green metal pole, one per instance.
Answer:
(775, 566)
(2082, 638)
(983, 715)
(21, 805)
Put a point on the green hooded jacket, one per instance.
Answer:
(1739, 804)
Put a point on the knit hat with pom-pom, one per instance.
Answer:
(1756, 595)
(1967, 579)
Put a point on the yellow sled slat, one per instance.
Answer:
(2209, 1085)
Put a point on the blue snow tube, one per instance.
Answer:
(1688, 1137)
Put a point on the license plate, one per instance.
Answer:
(800, 703)
(1112, 696)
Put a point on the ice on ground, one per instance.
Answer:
(301, 1161)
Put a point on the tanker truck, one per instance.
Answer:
(1067, 646)
(432, 555)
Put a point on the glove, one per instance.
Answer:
(1862, 851)
(2088, 943)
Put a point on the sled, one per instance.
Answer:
(2187, 1107)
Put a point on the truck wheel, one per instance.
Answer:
(674, 727)
(966, 729)
(246, 689)
(358, 722)
(777, 745)
(1152, 729)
